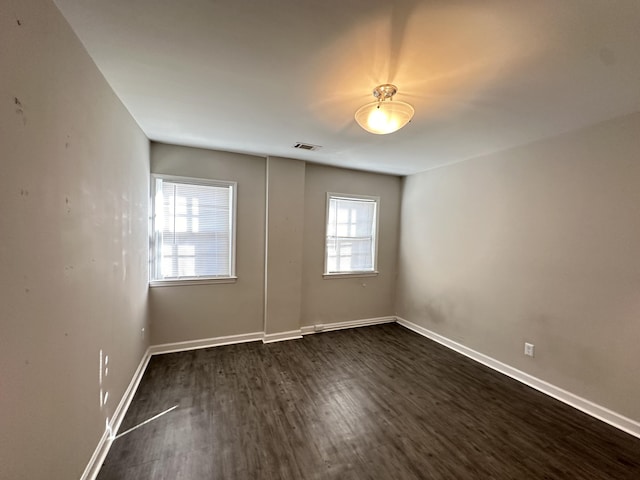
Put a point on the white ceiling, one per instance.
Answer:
(258, 76)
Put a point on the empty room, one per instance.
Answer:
(319, 240)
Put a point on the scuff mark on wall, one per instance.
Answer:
(20, 109)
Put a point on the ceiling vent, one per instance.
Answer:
(307, 146)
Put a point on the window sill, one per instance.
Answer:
(349, 275)
(191, 281)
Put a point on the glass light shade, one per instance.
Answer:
(384, 117)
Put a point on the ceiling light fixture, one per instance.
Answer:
(385, 115)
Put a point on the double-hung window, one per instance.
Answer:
(193, 230)
(351, 234)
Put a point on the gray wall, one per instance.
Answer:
(343, 299)
(296, 229)
(538, 244)
(73, 250)
(285, 223)
(192, 312)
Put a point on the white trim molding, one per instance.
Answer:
(100, 453)
(328, 327)
(327, 276)
(104, 444)
(614, 419)
(127, 397)
(375, 200)
(282, 336)
(204, 343)
(192, 281)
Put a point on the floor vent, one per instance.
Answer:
(307, 146)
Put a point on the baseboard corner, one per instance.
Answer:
(328, 327)
(104, 444)
(174, 347)
(282, 336)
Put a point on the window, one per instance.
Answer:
(193, 230)
(352, 229)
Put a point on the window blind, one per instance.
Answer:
(193, 230)
(351, 235)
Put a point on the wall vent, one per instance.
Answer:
(307, 146)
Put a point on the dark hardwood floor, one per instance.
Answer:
(369, 403)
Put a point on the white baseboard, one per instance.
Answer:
(601, 413)
(204, 343)
(282, 336)
(100, 453)
(328, 327)
(123, 406)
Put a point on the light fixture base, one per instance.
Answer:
(384, 91)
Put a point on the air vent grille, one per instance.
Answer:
(307, 146)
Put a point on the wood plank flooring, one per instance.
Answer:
(377, 402)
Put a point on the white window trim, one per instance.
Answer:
(192, 281)
(364, 273)
(350, 274)
(152, 250)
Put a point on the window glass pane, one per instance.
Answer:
(193, 230)
(351, 229)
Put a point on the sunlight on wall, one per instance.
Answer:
(440, 57)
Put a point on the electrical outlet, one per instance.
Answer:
(528, 349)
